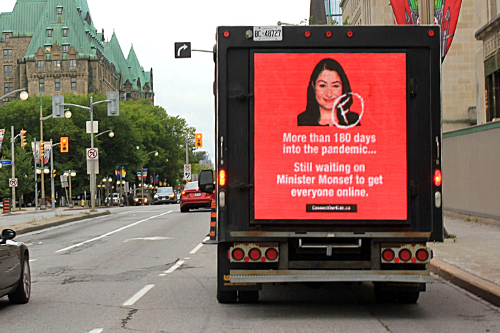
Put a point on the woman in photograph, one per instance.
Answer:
(328, 82)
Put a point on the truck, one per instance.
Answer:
(328, 158)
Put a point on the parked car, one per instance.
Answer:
(192, 197)
(115, 199)
(165, 195)
(15, 274)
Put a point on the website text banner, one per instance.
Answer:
(330, 136)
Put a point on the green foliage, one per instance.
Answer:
(140, 124)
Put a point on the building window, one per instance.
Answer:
(49, 32)
(65, 48)
(7, 70)
(65, 32)
(7, 37)
(59, 10)
(48, 48)
(73, 83)
(57, 82)
(7, 54)
(41, 84)
(41, 65)
(57, 65)
(8, 87)
(72, 65)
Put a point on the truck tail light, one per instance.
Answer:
(238, 254)
(388, 255)
(254, 254)
(222, 177)
(422, 255)
(438, 177)
(271, 254)
(405, 254)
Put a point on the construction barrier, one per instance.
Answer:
(6, 206)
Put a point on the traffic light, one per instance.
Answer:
(198, 143)
(57, 106)
(54, 173)
(64, 144)
(114, 104)
(23, 138)
(42, 150)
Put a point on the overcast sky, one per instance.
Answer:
(183, 86)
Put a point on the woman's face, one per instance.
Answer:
(328, 88)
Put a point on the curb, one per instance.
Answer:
(56, 223)
(472, 283)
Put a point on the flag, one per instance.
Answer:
(47, 147)
(446, 14)
(2, 132)
(35, 146)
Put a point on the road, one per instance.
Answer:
(145, 269)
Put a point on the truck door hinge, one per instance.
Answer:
(413, 189)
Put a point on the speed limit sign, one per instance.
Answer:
(12, 182)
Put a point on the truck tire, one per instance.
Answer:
(248, 296)
(226, 297)
(408, 297)
(395, 296)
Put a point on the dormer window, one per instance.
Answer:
(65, 48)
(49, 32)
(48, 48)
(7, 37)
(65, 32)
(59, 10)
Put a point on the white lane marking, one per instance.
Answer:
(173, 268)
(111, 232)
(97, 330)
(31, 260)
(137, 296)
(187, 258)
(193, 251)
(147, 239)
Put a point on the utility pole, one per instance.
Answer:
(12, 139)
(426, 9)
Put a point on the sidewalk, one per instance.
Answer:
(469, 258)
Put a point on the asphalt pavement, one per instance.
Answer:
(468, 258)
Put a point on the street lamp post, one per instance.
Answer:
(42, 205)
(142, 175)
(70, 174)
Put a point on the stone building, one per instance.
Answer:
(463, 83)
(53, 46)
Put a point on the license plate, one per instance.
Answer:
(197, 194)
(264, 34)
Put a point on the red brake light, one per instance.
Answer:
(238, 254)
(422, 255)
(437, 177)
(388, 255)
(405, 254)
(254, 254)
(222, 177)
(350, 34)
(328, 34)
(271, 254)
(307, 34)
(431, 33)
(227, 34)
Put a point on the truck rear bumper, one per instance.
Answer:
(280, 276)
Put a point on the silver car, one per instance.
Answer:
(15, 274)
(165, 195)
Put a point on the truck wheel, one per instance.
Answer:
(226, 297)
(408, 297)
(248, 296)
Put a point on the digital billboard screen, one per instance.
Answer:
(330, 136)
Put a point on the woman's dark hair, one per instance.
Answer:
(312, 108)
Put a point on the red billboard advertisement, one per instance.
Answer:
(330, 136)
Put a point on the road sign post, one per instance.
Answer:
(187, 171)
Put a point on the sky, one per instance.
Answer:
(183, 86)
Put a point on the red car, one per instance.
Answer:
(192, 197)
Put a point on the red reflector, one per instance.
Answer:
(405, 254)
(437, 177)
(388, 255)
(222, 177)
(350, 34)
(271, 254)
(422, 255)
(226, 34)
(431, 33)
(254, 254)
(328, 34)
(307, 34)
(238, 254)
